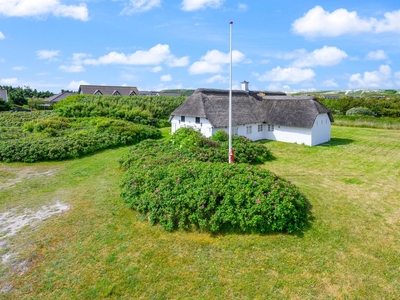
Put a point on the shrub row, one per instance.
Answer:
(379, 107)
(59, 138)
(215, 197)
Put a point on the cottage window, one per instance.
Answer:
(272, 127)
(248, 129)
(236, 131)
(182, 118)
(260, 127)
(198, 120)
(269, 127)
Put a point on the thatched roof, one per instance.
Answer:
(108, 90)
(250, 108)
(59, 97)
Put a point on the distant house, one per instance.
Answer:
(331, 96)
(148, 93)
(108, 90)
(3, 95)
(256, 115)
(58, 97)
(167, 94)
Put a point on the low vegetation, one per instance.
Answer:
(40, 136)
(185, 183)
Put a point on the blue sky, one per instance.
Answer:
(159, 44)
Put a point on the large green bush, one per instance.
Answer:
(214, 197)
(48, 137)
(362, 111)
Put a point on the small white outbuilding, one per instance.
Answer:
(256, 115)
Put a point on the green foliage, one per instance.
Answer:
(20, 95)
(215, 197)
(380, 107)
(189, 145)
(40, 136)
(138, 109)
(4, 106)
(185, 182)
(363, 111)
(220, 136)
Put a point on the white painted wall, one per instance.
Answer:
(190, 122)
(321, 131)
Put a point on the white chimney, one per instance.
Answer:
(245, 86)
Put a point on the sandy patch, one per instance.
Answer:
(12, 221)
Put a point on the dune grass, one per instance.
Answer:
(101, 249)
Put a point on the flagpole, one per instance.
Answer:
(230, 99)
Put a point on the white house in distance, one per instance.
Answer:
(256, 115)
(3, 95)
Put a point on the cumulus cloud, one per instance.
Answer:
(18, 68)
(166, 78)
(9, 81)
(74, 85)
(190, 5)
(288, 75)
(154, 56)
(2, 37)
(30, 8)
(326, 56)
(376, 55)
(214, 61)
(318, 22)
(374, 79)
(217, 78)
(242, 7)
(157, 69)
(47, 54)
(138, 6)
(72, 68)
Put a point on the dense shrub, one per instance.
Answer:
(153, 110)
(56, 138)
(188, 144)
(214, 197)
(363, 111)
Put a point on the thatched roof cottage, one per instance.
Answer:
(108, 90)
(256, 115)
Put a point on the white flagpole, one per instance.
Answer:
(230, 100)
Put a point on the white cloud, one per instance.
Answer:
(9, 81)
(154, 56)
(157, 69)
(30, 8)
(288, 75)
(217, 78)
(330, 83)
(376, 55)
(166, 78)
(242, 7)
(318, 22)
(74, 85)
(2, 37)
(214, 61)
(47, 54)
(326, 56)
(190, 5)
(374, 79)
(72, 68)
(138, 6)
(18, 68)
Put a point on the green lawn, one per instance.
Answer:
(101, 249)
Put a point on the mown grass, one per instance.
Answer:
(101, 249)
